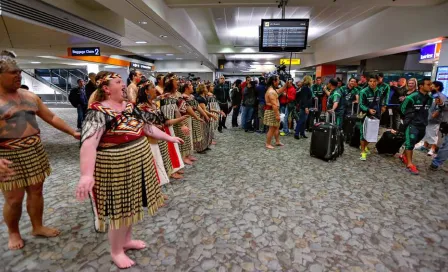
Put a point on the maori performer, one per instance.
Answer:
(213, 108)
(23, 162)
(117, 166)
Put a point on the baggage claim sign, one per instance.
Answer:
(84, 51)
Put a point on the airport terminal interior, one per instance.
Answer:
(206, 135)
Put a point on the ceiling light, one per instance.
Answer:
(254, 56)
(179, 46)
(169, 54)
(178, 58)
(35, 62)
(159, 58)
(147, 55)
(143, 22)
(219, 18)
(141, 42)
(163, 36)
(243, 32)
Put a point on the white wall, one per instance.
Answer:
(165, 66)
(36, 86)
(394, 30)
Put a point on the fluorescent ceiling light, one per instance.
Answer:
(35, 62)
(141, 42)
(147, 55)
(243, 32)
(254, 56)
(179, 46)
(268, 62)
(169, 54)
(163, 36)
(248, 50)
(178, 58)
(143, 22)
(219, 18)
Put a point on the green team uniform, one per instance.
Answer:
(415, 118)
(369, 99)
(318, 91)
(349, 97)
(336, 96)
(385, 92)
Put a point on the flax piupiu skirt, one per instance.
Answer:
(29, 162)
(125, 183)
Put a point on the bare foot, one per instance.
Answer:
(177, 176)
(191, 158)
(15, 241)
(187, 161)
(181, 171)
(213, 142)
(45, 232)
(121, 260)
(165, 196)
(279, 144)
(134, 244)
(269, 147)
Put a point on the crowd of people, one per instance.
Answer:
(417, 109)
(136, 136)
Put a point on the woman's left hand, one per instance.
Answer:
(77, 135)
(176, 140)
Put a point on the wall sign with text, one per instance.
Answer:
(140, 66)
(84, 51)
(430, 51)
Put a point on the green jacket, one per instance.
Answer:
(412, 109)
(336, 96)
(318, 91)
(385, 93)
(370, 99)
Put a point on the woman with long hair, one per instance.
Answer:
(134, 79)
(215, 110)
(117, 166)
(178, 108)
(412, 86)
(146, 97)
(200, 126)
(305, 101)
(160, 84)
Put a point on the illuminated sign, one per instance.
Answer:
(438, 48)
(428, 52)
(140, 66)
(292, 62)
(84, 51)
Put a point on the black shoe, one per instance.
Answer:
(433, 167)
(303, 136)
(208, 148)
(220, 130)
(251, 131)
(224, 127)
(296, 137)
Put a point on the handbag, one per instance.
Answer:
(371, 128)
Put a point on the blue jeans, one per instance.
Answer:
(442, 155)
(300, 127)
(81, 114)
(285, 120)
(247, 117)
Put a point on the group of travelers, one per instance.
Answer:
(417, 109)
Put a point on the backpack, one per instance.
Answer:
(74, 97)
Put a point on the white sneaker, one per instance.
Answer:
(431, 152)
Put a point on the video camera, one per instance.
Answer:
(281, 72)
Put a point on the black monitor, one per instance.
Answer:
(283, 35)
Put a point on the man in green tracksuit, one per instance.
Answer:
(415, 109)
(335, 103)
(369, 104)
(318, 92)
(350, 92)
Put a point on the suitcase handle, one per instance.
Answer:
(353, 108)
(333, 117)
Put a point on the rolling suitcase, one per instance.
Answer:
(390, 143)
(327, 141)
(350, 121)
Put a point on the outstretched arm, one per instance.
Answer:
(49, 117)
(154, 132)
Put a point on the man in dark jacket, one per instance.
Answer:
(222, 94)
(236, 97)
(397, 97)
(79, 100)
(249, 101)
(260, 90)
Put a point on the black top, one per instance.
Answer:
(90, 88)
(249, 97)
(236, 97)
(398, 91)
(201, 100)
(304, 98)
(221, 92)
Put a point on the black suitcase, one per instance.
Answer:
(355, 140)
(327, 141)
(390, 143)
(352, 131)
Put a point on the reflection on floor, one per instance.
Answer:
(242, 207)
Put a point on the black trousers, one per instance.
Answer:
(235, 113)
(222, 120)
(396, 119)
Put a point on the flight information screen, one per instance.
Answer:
(288, 35)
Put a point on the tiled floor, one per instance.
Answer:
(243, 208)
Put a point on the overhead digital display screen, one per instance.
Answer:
(283, 35)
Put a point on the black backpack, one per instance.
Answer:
(74, 97)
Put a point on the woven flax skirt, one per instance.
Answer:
(166, 157)
(29, 162)
(269, 119)
(186, 147)
(125, 183)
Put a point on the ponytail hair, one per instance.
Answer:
(271, 81)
